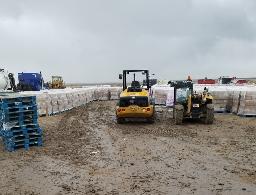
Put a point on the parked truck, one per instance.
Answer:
(30, 81)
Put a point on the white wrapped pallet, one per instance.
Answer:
(81, 98)
(102, 93)
(54, 103)
(236, 101)
(222, 96)
(76, 100)
(70, 100)
(62, 102)
(225, 97)
(90, 94)
(44, 104)
(115, 92)
(247, 105)
(160, 93)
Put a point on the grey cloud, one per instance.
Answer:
(92, 41)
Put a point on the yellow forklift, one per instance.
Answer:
(136, 102)
(190, 104)
(57, 83)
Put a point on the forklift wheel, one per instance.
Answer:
(209, 114)
(178, 114)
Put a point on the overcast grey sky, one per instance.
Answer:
(93, 40)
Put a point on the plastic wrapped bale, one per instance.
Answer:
(54, 103)
(222, 101)
(247, 105)
(160, 94)
(83, 98)
(70, 101)
(89, 95)
(80, 98)
(236, 101)
(44, 104)
(62, 102)
(102, 93)
(115, 92)
(76, 100)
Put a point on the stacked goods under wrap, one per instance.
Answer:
(54, 102)
(161, 93)
(89, 93)
(236, 97)
(62, 101)
(76, 100)
(102, 93)
(115, 92)
(44, 104)
(226, 97)
(222, 101)
(247, 105)
(70, 99)
(222, 96)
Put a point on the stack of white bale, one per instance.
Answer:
(44, 104)
(240, 100)
(222, 96)
(102, 93)
(222, 101)
(115, 92)
(62, 102)
(89, 93)
(247, 106)
(163, 94)
(70, 98)
(54, 101)
(235, 101)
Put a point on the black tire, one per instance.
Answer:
(120, 120)
(151, 120)
(209, 118)
(178, 114)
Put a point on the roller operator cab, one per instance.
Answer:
(136, 102)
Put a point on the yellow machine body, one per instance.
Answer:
(135, 110)
(57, 83)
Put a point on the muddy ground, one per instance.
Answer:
(86, 152)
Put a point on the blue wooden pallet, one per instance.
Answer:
(19, 122)
(21, 140)
(18, 114)
(18, 145)
(17, 108)
(17, 132)
(20, 127)
(25, 100)
(26, 138)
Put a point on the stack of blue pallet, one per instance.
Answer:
(19, 126)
